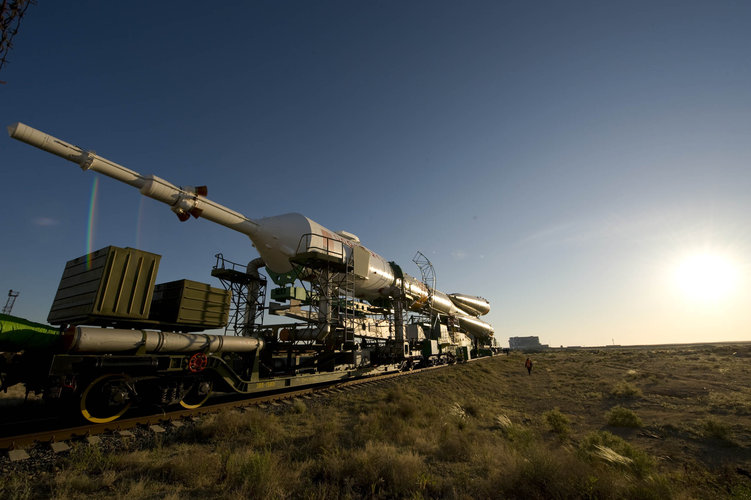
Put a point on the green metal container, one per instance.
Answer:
(190, 303)
(111, 283)
(430, 348)
(462, 353)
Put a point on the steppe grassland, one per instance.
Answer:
(639, 423)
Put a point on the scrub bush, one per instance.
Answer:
(558, 422)
(619, 416)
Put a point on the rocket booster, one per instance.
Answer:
(277, 238)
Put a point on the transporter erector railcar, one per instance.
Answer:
(124, 339)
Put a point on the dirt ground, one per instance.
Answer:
(694, 402)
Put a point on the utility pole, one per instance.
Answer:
(9, 303)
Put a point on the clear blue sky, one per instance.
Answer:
(557, 158)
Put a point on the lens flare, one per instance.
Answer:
(139, 220)
(91, 222)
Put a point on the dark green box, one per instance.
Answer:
(111, 283)
(430, 348)
(190, 303)
(289, 292)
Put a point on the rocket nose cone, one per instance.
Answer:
(12, 128)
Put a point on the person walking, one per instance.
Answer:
(528, 366)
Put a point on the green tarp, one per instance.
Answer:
(18, 334)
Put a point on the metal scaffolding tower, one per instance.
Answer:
(248, 294)
(428, 278)
(9, 303)
(330, 275)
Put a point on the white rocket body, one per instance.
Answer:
(278, 238)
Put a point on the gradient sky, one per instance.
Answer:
(557, 158)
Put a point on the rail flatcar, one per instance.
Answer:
(337, 310)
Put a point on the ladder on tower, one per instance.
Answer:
(347, 290)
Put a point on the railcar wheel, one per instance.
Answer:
(105, 399)
(197, 395)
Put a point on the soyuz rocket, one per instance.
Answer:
(279, 238)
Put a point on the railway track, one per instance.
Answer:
(26, 438)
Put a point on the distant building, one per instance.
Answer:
(526, 344)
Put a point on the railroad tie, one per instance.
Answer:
(17, 455)
(59, 447)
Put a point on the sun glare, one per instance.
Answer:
(706, 277)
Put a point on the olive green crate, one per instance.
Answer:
(190, 303)
(110, 283)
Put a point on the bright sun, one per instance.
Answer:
(706, 277)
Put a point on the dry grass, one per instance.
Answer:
(478, 430)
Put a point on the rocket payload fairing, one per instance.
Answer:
(278, 238)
